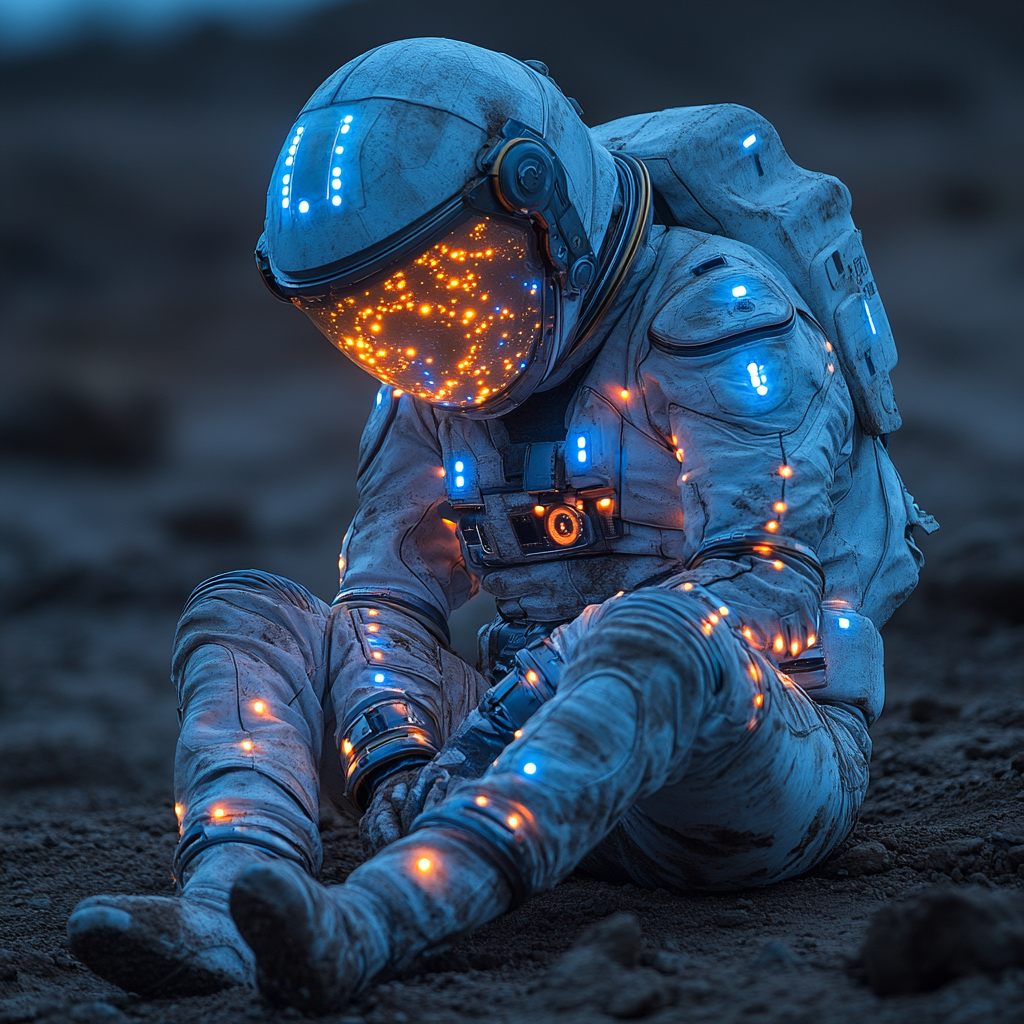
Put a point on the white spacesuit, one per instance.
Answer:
(636, 387)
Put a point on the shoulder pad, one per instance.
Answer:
(722, 169)
(720, 302)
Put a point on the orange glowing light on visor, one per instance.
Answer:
(455, 325)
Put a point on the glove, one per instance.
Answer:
(397, 801)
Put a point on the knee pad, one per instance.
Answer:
(654, 626)
(254, 581)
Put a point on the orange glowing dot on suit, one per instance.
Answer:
(219, 812)
(346, 747)
(771, 526)
(779, 506)
(532, 676)
(794, 648)
(259, 707)
(687, 586)
(747, 633)
(758, 700)
(246, 745)
(178, 811)
(778, 565)
(423, 864)
(624, 393)
(481, 801)
(513, 821)
(785, 472)
(780, 644)
(812, 640)
(516, 735)
(605, 503)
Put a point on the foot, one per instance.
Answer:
(315, 947)
(158, 946)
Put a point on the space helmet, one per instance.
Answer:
(445, 218)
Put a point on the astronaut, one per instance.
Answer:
(635, 385)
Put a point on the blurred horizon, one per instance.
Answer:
(32, 27)
(163, 419)
(135, 333)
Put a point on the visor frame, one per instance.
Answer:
(478, 201)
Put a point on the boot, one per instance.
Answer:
(317, 947)
(166, 947)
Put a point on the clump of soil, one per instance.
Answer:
(943, 816)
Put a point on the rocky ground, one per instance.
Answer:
(161, 419)
(945, 807)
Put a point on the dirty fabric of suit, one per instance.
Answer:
(705, 518)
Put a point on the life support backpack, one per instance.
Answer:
(722, 169)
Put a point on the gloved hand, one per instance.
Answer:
(397, 802)
(466, 754)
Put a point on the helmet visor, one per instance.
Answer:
(455, 325)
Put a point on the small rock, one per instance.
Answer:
(618, 938)
(40, 964)
(641, 995)
(665, 962)
(774, 956)
(8, 966)
(1006, 839)
(946, 856)
(731, 918)
(919, 945)
(97, 1012)
(601, 970)
(870, 858)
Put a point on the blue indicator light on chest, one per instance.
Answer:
(749, 141)
(758, 378)
(582, 449)
(460, 477)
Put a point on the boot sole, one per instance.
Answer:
(108, 942)
(278, 922)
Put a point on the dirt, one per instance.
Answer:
(162, 419)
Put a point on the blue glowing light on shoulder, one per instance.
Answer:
(758, 378)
